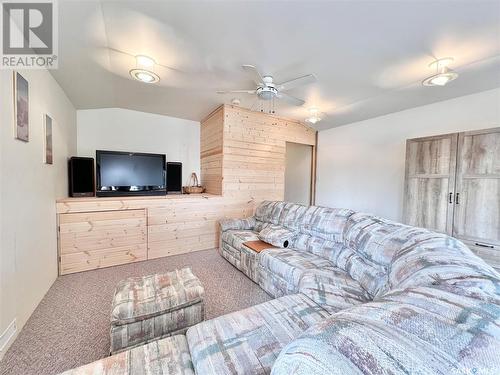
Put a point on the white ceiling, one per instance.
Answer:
(369, 57)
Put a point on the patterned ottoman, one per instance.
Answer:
(152, 307)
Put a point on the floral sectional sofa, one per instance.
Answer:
(355, 294)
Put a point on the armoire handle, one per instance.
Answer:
(457, 200)
(484, 245)
(450, 198)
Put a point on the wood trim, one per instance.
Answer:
(481, 131)
(314, 169)
(212, 113)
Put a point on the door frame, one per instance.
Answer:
(312, 184)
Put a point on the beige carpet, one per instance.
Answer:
(70, 327)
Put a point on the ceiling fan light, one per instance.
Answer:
(145, 76)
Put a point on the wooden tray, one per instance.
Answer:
(258, 246)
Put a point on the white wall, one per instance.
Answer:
(361, 165)
(298, 163)
(119, 129)
(28, 189)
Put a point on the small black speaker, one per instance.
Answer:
(174, 177)
(81, 177)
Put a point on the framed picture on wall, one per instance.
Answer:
(21, 107)
(48, 152)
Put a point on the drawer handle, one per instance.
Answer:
(484, 245)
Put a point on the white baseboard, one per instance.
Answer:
(7, 337)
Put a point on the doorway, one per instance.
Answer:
(298, 173)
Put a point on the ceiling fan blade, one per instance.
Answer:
(304, 80)
(237, 92)
(257, 78)
(291, 99)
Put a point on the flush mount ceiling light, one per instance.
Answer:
(314, 116)
(142, 71)
(443, 73)
(145, 76)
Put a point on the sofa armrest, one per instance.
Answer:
(238, 224)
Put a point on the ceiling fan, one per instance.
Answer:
(268, 90)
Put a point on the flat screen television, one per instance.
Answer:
(130, 173)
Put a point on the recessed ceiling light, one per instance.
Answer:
(443, 73)
(145, 76)
(314, 116)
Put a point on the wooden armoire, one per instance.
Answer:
(452, 185)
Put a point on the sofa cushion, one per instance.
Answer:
(269, 212)
(371, 276)
(249, 341)
(290, 264)
(238, 224)
(168, 356)
(451, 328)
(277, 236)
(429, 258)
(316, 245)
(292, 216)
(236, 238)
(374, 238)
(324, 222)
(334, 290)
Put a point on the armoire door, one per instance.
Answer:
(430, 182)
(477, 198)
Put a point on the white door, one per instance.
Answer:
(298, 173)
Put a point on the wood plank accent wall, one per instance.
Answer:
(102, 232)
(253, 152)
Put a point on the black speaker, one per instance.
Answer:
(174, 177)
(81, 177)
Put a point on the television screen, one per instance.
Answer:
(128, 173)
